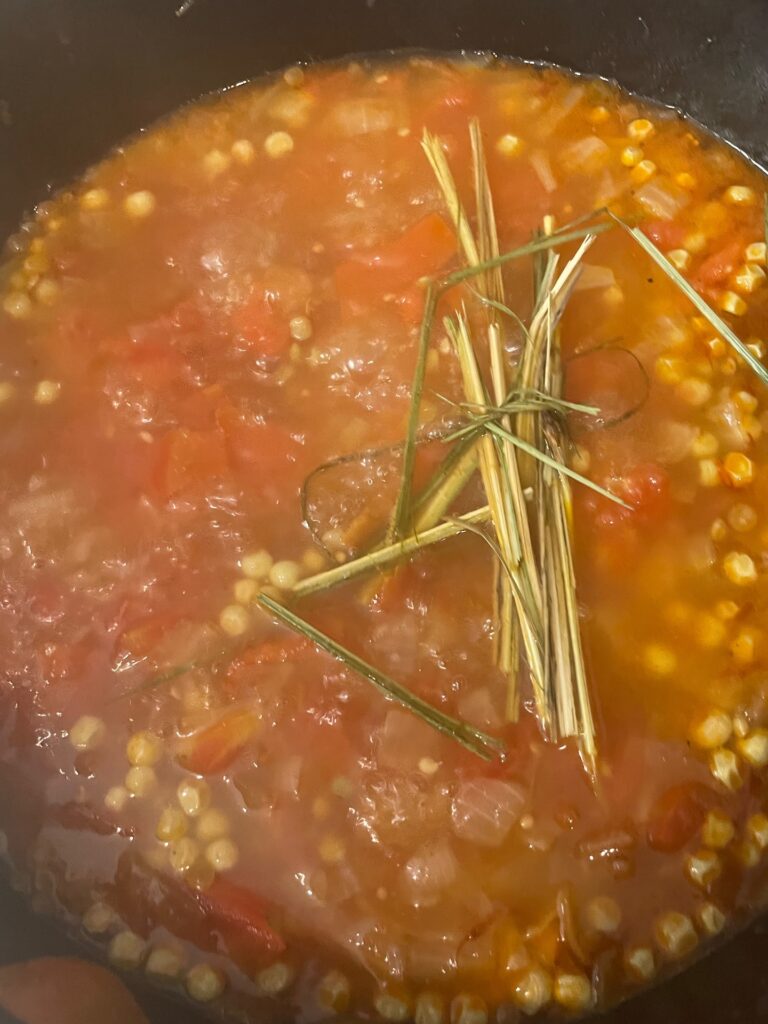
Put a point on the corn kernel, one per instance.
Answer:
(183, 853)
(703, 868)
(47, 391)
(234, 620)
(710, 631)
(694, 391)
(140, 780)
(116, 798)
(285, 575)
(276, 978)
(678, 613)
(755, 253)
(194, 796)
(7, 391)
(732, 303)
(243, 151)
(138, 205)
(679, 258)
(391, 1007)
(204, 983)
(429, 1009)
(710, 919)
(144, 748)
(724, 766)
(704, 445)
(215, 162)
(467, 1008)
(660, 660)
(334, 993)
(686, 181)
(331, 850)
(428, 766)
(631, 156)
(256, 565)
(739, 568)
(743, 645)
(726, 610)
(640, 129)
(709, 473)
(222, 854)
(94, 199)
(754, 748)
(675, 934)
(716, 347)
(749, 278)
(644, 171)
(748, 853)
(696, 242)
(598, 114)
(573, 991)
(670, 369)
(742, 517)
(165, 962)
(99, 918)
(213, 824)
(739, 195)
(533, 991)
(278, 144)
(127, 950)
(47, 291)
(603, 914)
(739, 469)
(87, 733)
(639, 963)
(717, 831)
(718, 530)
(508, 145)
(171, 825)
(712, 731)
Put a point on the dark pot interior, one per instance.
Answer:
(76, 76)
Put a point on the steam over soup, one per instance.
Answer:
(384, 546)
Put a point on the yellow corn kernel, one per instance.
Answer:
(746, 401)
(598, 114)
(716, 347)
(140, 780)
(204, 983)
(171, 825)
(144, 748)
(743, 646)
(138, 205)
(243, 151)
(256, 565)
(508, 145)
(739, 469)
(47, 391)
(675, 934)
(694, 391)
(639, 963)
(245, 591)
(686, 180)
(94, 199)
(87, 733)
(331, 850)
(749, 278)
(718, 530)
(724, 766)
(215, 162)
(660, 660)
(703, 868)
(334, 993)
(728, 366)
(754, 748)
(717, 831)
(710, 919)
(752, 427)
(726, 610)
(640, 129)
(670, 369)
(194, 796)
(603, 914)
(533, 991)
(679, 258)
(644, 171)
(631, 156)
(739, 195)
(710, 631)
(391, 1007)
(696, 242)
(748, 853)
(709, 473)
(704, 445)
(757, 830)
(678, 613)
(278, 144)
(234, 620)
(732, 303)
(127, 949)
(739, 568)
(573, 991)
(712, 730)
(755, 253)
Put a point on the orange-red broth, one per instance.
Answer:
(211, 313)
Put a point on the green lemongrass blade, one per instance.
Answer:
(472, 739)
(550, 242)
(446, 486)
(703, 307)
(500, 307)
(388, 555)
(765, 219)
(402, 514)
(559, 467)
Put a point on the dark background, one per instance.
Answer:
(76, 76)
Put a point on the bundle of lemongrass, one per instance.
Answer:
(514, 434)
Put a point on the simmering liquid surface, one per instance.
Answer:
(233, 300)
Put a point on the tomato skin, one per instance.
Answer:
(645, 488)
(259, 326)
(194, 458)
(717, 268)
(664, 233)
(677, 816)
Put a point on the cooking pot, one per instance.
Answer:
(77, 76)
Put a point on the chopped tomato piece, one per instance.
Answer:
(677, 816)
(240, 913)
(259, 325)
(664, 233)
(265, 448)
(215, 748)
(645, 488)
(195, 457)
(423, 249)
(717, 268)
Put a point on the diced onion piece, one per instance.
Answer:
(484, 810)
(431, 869)
(661, 199)
(594, 276)
(363, 116)
(543, 168)
(585, 154)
